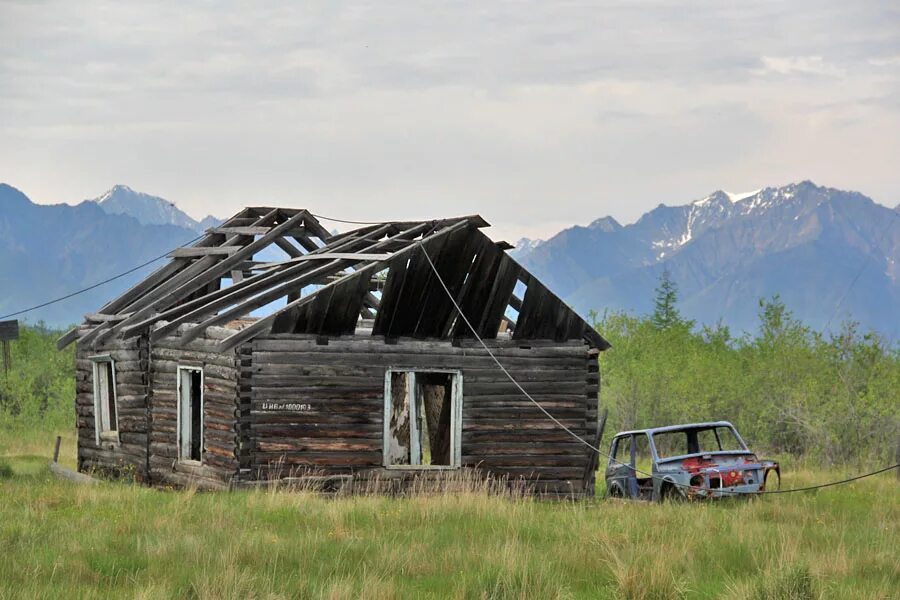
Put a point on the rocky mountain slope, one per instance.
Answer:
(149, 210)
(831, 255)
(47, 251)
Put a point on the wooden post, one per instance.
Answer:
(594, 460)
(56, 450)
(9, 330)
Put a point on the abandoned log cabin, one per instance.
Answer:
(272, 348)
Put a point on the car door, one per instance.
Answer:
(619, 473)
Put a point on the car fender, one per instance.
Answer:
(770, 466)
(614, 490)
(667, 481)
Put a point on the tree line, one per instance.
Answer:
(830, 397)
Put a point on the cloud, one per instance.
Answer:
(885, 61)
(799, 65)
(392, 109)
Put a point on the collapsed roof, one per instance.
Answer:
(376, 274)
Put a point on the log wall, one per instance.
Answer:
(220, 411)
(128, 458)
(308, 406)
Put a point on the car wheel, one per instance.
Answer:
(670, 493)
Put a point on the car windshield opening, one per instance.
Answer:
(696, 441)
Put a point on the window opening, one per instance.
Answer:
(190, 413)
(105, 413)
(422, 419)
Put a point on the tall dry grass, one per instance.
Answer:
(118, 540)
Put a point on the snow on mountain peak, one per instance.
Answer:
(742, 196)
(113, 191)
(147, 209)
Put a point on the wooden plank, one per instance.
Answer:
(452, 263)
(288, 248)
(201, 272)
(198, 309)
(68, 338)
(181, 283)
(240, 230)
(164, 273)
(362, 257)
(190, 252)
(503, 284)
(266, 322)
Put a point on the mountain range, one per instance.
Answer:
(48, 251)
(831, 255)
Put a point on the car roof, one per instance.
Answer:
(653, 430)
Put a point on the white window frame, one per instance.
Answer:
(179, 408)
(101, 410)
(456, 402)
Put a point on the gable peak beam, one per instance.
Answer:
(194, 277)
(163, 273)
(265, 324)
(297, 282)
(203, 307)
(159, 278)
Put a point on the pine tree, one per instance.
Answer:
(665, 313)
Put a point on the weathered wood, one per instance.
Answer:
(66, 473)
(209, 251)
(196, 310)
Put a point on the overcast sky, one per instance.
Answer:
(536, 115)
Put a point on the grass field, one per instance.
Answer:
(61, 540)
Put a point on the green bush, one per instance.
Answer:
(38, 393)
(788, 389)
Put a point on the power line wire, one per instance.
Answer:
(96, 285)
(598, 450)
(491, 354)
(351, 222)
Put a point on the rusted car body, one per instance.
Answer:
(697, 460)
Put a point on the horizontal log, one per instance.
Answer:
(524, 448)
(546, 435)
(318, 459)
(370, 344)
(164, 450)
(320, 392)
(313, 418)
(272, 431)
(209, 347)
(317, 444)
(528, 460)
(66, 473)
(532, 387)
(270, 362)
(181, 480)
(162, 353)
(522, 413)
(295, 381)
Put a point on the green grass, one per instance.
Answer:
(59, 539)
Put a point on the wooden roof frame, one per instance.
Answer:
(187, 291)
